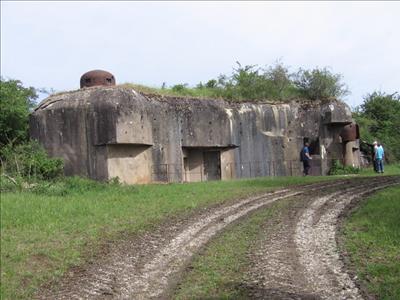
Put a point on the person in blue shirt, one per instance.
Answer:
(306, 157)
(379, 156)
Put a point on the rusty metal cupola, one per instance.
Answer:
(97, 78)
(350, 132)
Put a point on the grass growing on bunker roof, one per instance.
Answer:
(204, 93)
(255, 83)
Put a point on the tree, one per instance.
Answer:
(16, 102)
(211, 84)
(381, 107)
(379, 119)
(246, 81)
(280, 78)
(320, 84)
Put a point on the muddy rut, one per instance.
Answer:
(299, 260)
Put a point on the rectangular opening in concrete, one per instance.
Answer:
(201, 164)
(129, 162)
(314, 147)
(212, 165)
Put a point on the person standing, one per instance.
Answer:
(306, 157)
(375, 144)
(379, 156)
(374, 147)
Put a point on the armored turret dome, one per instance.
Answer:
(96, 78)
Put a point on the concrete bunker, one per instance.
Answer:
(107, 131)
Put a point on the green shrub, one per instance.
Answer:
(30, 162)
(9, 184)
(320, 84)
(338, 169)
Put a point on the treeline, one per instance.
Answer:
(252, 82)
(379, 120)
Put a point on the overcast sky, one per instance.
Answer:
(51, 44)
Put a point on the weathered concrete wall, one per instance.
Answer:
(105, 132)
(123, 158)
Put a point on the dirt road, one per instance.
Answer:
(299, 261)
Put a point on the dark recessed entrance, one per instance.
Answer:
(212, 165)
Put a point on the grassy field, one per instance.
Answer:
(372, 238)
(51, 228)
(389, 170)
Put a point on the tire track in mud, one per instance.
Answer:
(148, 266)
(299, 258)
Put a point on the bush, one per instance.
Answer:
(30, 162)
(9, 184)
(320, 84)
(338, 169)
(179, 88)
(251, 82)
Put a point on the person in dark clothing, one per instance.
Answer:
(373, 147)
(306, 157)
